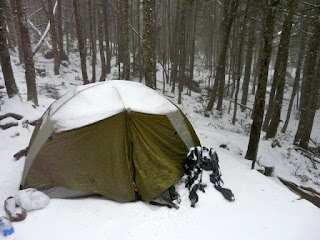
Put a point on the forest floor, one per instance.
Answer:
(264, 208)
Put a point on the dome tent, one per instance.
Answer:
(109, 138)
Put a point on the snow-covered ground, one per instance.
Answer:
(263, 209)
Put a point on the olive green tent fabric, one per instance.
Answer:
(95, 158)
(109, 156)
(158, 153)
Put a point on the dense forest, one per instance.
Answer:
(249, 47)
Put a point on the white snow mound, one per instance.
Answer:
(31, 199)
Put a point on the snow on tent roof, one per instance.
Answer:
(94, 102)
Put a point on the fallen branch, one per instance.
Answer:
(8, 125)
(315, 143)
(44, 35)
(13, 115)
(309, 155)
(241, 105)
(305, 193)
(310, 190)
(21, 153)
(37, 31)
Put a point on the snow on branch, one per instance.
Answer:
(44, 35)
(38, 32)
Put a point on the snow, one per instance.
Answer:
(8, 120)
(94, 102)
(263, 209)
(31, 199)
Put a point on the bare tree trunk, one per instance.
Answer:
(175, 51)
(60, 32)
(296, 80)
(101, 46)
(92, 24)
(193, 42)
(81, 41)
(269, 22)
(139, 41)
(309, 98)
(16, 24)
(230, 8)
(247, 72)
(106, 35)
(182, 43)
(54, 37)
(281, 70)
(308, 118)
(256, 69)
(32, 94)
(10, 22)
(239, 64)
(5, 60)
(154, 45)
(271, 100)
(125, 39)
(148, 24)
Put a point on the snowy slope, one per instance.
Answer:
(264, 209)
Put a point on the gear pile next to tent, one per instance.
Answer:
(118, 139)
(199, 159)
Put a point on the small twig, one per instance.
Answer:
(219, 126)
(315, 143)
(295, 173)
(309, 154)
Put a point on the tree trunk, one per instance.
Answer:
(247, 72)
(92, 24)
(16, 24)
(106, 35)
(234, 5)
(5, 60)
(271, 100)
(269, 22)
(256, 69)
(101, 46)
(239, 64)
(182, 47)
(10, 22)
(54, 37)
(32, 94)
(125, 39)
(281, 70)
(230, 8)
(60, 32)
(139, 42)
(308, 118)
(296, 80)
(312, 86)
(148, 24)
(193, 43)
(175, 51)
(154, 45)
(81, 41)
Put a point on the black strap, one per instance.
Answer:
(227, 193)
